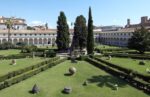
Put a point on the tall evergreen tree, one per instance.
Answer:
(140, 40)
(80, 33)
(90, 37)
(9, 24)
(62, 40)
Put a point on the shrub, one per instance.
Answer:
(29, 49)
(142, 63)
(50, 53)
(6, 45)
(82, 57)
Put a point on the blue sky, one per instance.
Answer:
(105, 12)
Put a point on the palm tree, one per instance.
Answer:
(9, 25)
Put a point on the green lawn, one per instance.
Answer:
(52, 82)
(9, 52)
(50, 47)
(130, 63)
(5, 65)
(106, 46)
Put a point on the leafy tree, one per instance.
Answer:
(90, 37)
(21, 44)
(30, 28)
(140, 40)
(62, 40)
(9, 24)
(80, 33)
(29, 49)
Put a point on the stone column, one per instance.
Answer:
(12, 40)
(17, 39)
(37, 41)
(47, 41)
(51, 41)
(42, 42)
(23, 39)
(33, 40)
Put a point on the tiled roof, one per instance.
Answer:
(121, 30)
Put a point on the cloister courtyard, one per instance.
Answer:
(94, 77)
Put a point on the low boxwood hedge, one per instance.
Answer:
(125, 55)
(126, 70)
(137, 83)
(16, 56)
(28, 74)
(20, 71)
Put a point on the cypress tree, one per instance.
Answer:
(80, 33)
(62, 40)
(90, 37)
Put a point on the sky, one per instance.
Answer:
(105, 12)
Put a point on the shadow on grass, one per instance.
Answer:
(67, 74)
(108, 81)
(30, 92)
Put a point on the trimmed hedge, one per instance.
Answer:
(20, 71)
(29, 74)
(16, 56)
(135, 56)
(126, 77)
(125, 70)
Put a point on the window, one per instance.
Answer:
(129, 34)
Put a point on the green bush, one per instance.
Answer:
(6, 45)
(82, 57)
(141, 63)
(50, 53)
(16, 56)
(29, 49)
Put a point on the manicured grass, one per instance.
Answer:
(50, 47)
(52, 82)
(5, 65)
(106, 46)
(130, 63)
(9, 52)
